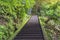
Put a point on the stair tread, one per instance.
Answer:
(28, 39)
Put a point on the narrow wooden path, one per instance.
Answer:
(31, 31)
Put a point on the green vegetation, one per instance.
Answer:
(50, 18)
(13, 14)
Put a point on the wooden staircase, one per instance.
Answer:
(31, 31)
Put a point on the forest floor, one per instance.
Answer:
(31, 31)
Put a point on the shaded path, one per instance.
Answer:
(31, 31)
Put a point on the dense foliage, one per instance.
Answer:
(50, 17)
(12, 13)
(51, 9)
